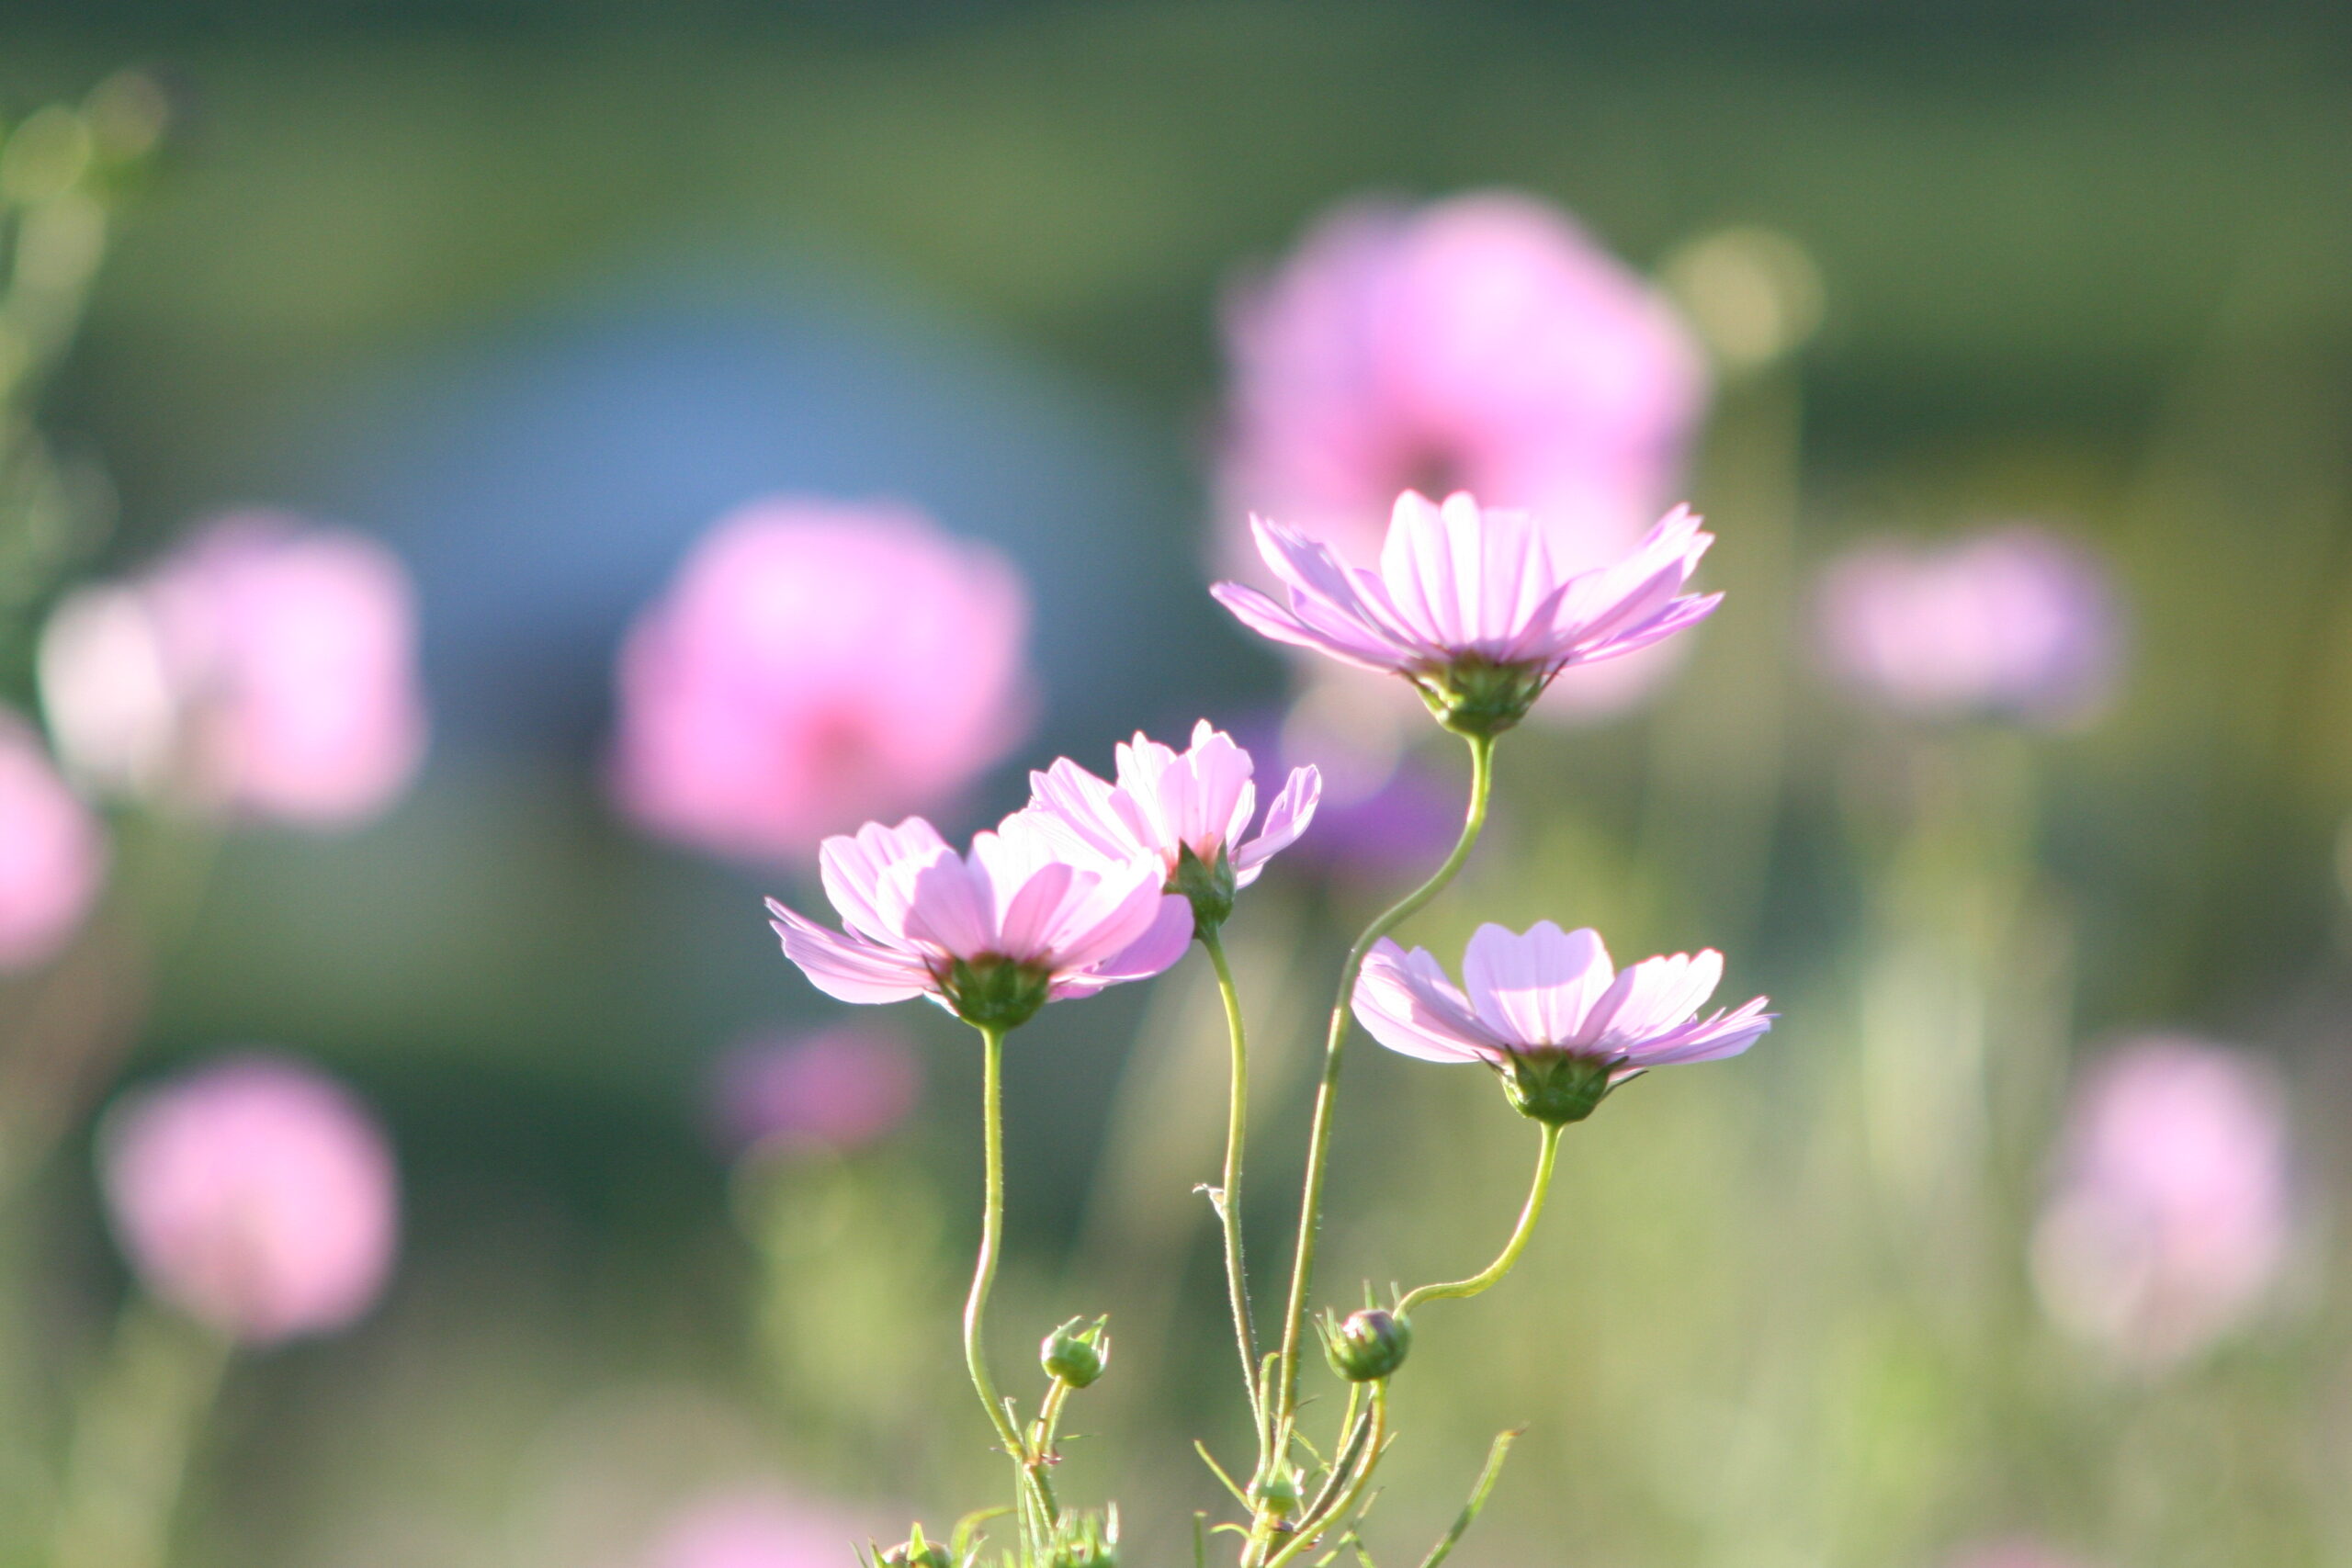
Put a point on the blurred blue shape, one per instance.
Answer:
(545, 477)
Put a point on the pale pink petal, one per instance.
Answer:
(855, 868)
(951, 906)
(845, 968)
(1404, 1002)
(1286, 818)
(1158, 949)
(1030, 915)
(1723, 1034)
(1534, 990)
(1263, 615)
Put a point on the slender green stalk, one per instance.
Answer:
(1319, 1147)
(131, 1441)
(1229, 1208)
(1310, 1529)
(1461, 1289)
(1479, 1495)
(976, 1305)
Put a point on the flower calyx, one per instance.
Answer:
(1366, 1346)
(1478, 697)
(991, 992)
(1208, 885)
(916, 1552)
(1085, 1541)
(1557, 1088)
(1076, 1356)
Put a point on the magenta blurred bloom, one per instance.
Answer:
(814, 664)
(991, 935)
(1485, 342)
(838, 1088)
(1550, 1012)
(255, 1195)
(754, 1528)
(1184, 811)
(2172, 1213)
(1469, 606)
(2011, 622)
(266, 667)
(52, 853)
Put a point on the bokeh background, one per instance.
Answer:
(532, 294)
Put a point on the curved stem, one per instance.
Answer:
(1319, 1147)
(1461, 1289)
(976, 1305)
(1229, 1208)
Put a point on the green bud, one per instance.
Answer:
(916, 1552)
(1557, 1087)
(1368, 1346)
(1085, 1541)
(995, 993)
(1275, 1491)
(1474, 696)
(1208, 886)
(1076, 1356)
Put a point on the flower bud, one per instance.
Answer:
(1208, 886)
(1085, 1541)
(1076, 1356)
(1369, 1345)
(1275, 1491)
(1559, 1087)
(916, 1552)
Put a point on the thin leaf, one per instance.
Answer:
(1206, 1458)
(1487, 1478)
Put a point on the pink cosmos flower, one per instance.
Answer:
(267, 666)
(1485, 342)
(813, 664)
(754, 1528)
(1469, 606)
(1168, 805)
(2171, 1213)
(255, 1195)
(839, 1088)
(991, 935)
(52, 853)
(2008, 621)
(1548, 1011)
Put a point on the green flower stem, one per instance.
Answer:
(1310, 1529)
(976, 1305)
(132, 1435)
(1318, 1147)
(1229, 1208)
(1461, 1289)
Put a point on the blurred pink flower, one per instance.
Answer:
(2010, 622)
(267, 666)
(2171, 1215)
(754, 1529)
(838, 1088)
(1485, 342)
(255, 1195)
(813, 665)
(992, 935)
(52, 851)
(1469, 605)
(1165, 801)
